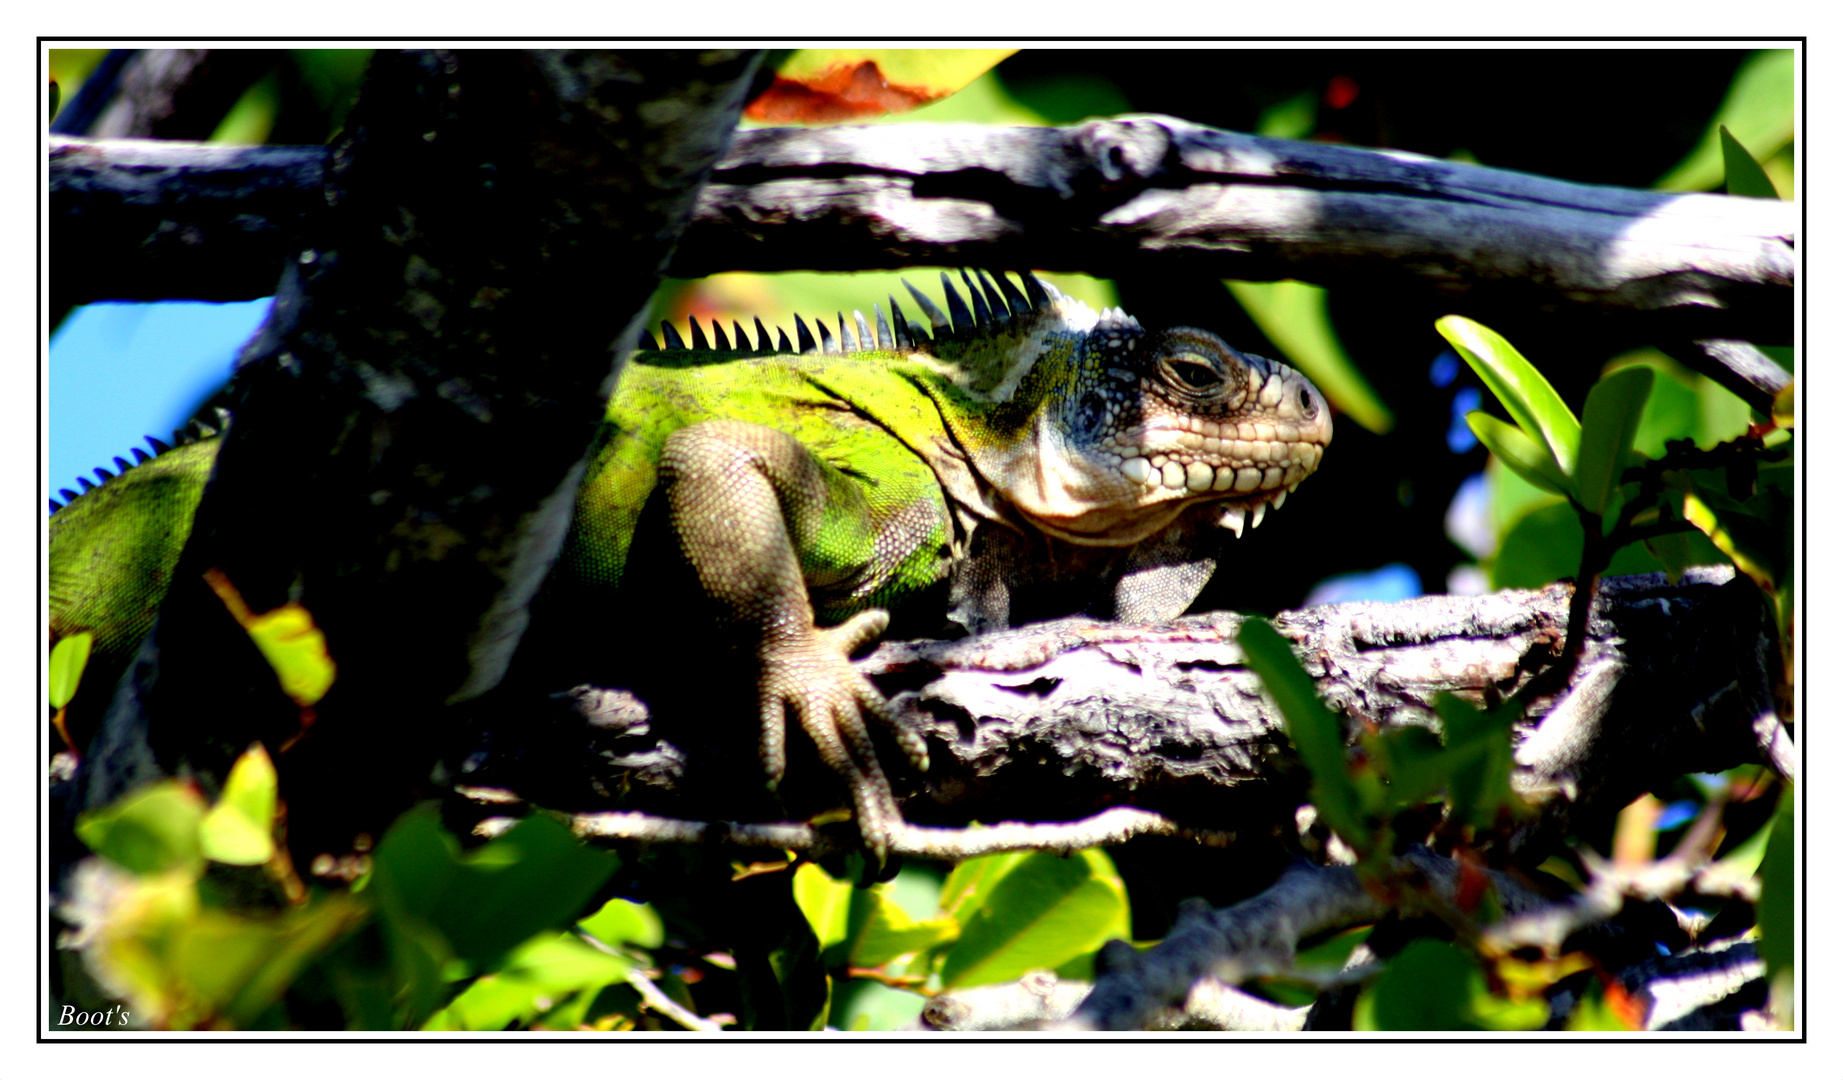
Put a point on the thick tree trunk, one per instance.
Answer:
(411, 422)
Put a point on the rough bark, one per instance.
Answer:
(1108, 196)
(412, 420)
(1061, 721)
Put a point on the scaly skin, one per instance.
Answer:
(809, 492)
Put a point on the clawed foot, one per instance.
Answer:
(810, 675)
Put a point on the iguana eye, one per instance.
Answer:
(1193, 371)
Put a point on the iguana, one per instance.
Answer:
(1020, 446)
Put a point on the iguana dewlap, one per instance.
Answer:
(809, 486)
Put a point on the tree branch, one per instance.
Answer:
(1058, 722)
(1113, 195)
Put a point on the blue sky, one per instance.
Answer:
(119, 372)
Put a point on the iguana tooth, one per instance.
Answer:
(864, 339)
(1012, 297)
(670, 334)
(1232, 520)
(1259, 515)
(956, 307)
(761, 336)
(717, 335)
(698, 340)
(825, 336)
(646, 341)
(803, 338)
(1279, 498)
(934, 314)
(982, 315)
(885, 338)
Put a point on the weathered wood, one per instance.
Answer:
(1110, 195)
(1059, 721)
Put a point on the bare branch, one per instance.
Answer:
(1110, 195)
(1115, 826)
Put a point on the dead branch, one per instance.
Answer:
(1099, 197)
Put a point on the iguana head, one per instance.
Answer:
(1101, 432)
(1092, 428)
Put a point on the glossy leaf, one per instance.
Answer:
(817, 86)
(1519, 453)
(535, 877)
(1294, 317)
(240, 829)
(287, 638)
(623, 922)
(1779, 891)
(1785, 406)
(1742, 174)
(1757, 109)
(150, 830)
(1478, 745)
(543, 971)
(68, 658)
(1609, 422)
(1434, 986)
(883, 931)
(825, 901)
(1044, 911)
(1316, 733)
(1525, 394)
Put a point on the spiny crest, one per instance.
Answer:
(996, 303)
(191, 433)
(985, 341)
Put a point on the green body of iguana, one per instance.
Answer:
(812, 486)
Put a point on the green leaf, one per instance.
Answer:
(68, 658)
(1743, 175)
(1316, 733)
(1525, 394)
(1778, 892)
(1757, 109)
(240, 829)
(1519, 453)
(149, 831)
(1293, 316)
(1433, 986)
(535, 877)
(536, 976)
(884, 931)
(623, 922)
(824, 901)
(1478, 744)
(1609, 422)
(1045, 911)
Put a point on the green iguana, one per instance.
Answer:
(1026, 445)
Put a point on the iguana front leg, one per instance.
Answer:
(761, 520)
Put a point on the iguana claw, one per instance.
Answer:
(811, 676)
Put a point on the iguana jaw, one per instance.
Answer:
(1179, 419)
